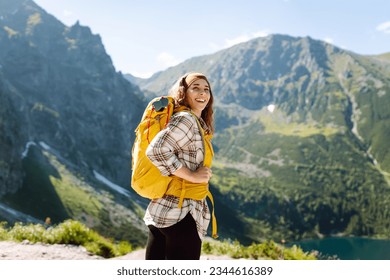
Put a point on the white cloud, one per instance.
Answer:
(167, 59)
(245, 38)
(140, 74)
(384, 27)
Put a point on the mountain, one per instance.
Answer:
(300, 146)
(66, 123)
(301, 142)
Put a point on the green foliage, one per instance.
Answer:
(3, 231)
(320, 163)
(37, 195)
(302, 187)
(34, 233)
(68, 232)
(384, 56)
(277, 123)
(266, 250)
(64, 194)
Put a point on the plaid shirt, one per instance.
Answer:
(180, 143)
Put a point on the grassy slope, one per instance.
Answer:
(295, 186)
(51, 189)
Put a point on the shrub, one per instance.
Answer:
(265, 250)
(3, 231)
(68, 232)
(32, 232)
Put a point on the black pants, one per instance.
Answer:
(178, 242)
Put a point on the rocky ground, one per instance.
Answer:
(39, 251)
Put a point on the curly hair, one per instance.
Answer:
(179, 91)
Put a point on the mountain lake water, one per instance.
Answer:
(348, 248)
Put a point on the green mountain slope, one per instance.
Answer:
(313, 163)
(66, 122)
(301, 142)
(54, 188)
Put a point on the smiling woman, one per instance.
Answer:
(198, 96)
(178, 220)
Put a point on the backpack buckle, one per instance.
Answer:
(160, 104)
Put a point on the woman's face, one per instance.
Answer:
(198, 96)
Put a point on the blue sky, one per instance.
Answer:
(143, 37)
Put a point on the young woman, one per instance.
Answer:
(177, 224)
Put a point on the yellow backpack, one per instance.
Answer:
(146, 180)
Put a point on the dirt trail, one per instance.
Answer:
(39, 251)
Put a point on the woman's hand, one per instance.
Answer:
(201, 175)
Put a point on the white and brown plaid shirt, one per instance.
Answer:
(180, 143)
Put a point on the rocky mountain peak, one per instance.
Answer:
(65, 89)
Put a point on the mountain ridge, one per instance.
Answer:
(322, 97)
(62, 93)
(314, 166)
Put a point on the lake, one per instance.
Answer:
(349, 248)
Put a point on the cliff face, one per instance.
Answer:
(11, 139)
(67, 121)
(58, 86)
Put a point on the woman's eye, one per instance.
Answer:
(196, 89)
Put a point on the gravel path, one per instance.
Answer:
(39, 251)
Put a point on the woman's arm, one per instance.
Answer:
(163, 149)
(201, 175)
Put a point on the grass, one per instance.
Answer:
(276, 123)
(76, 200)
(268, 250)
(68, 232)
(75, 233)
(52, 188)
(385, 56)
